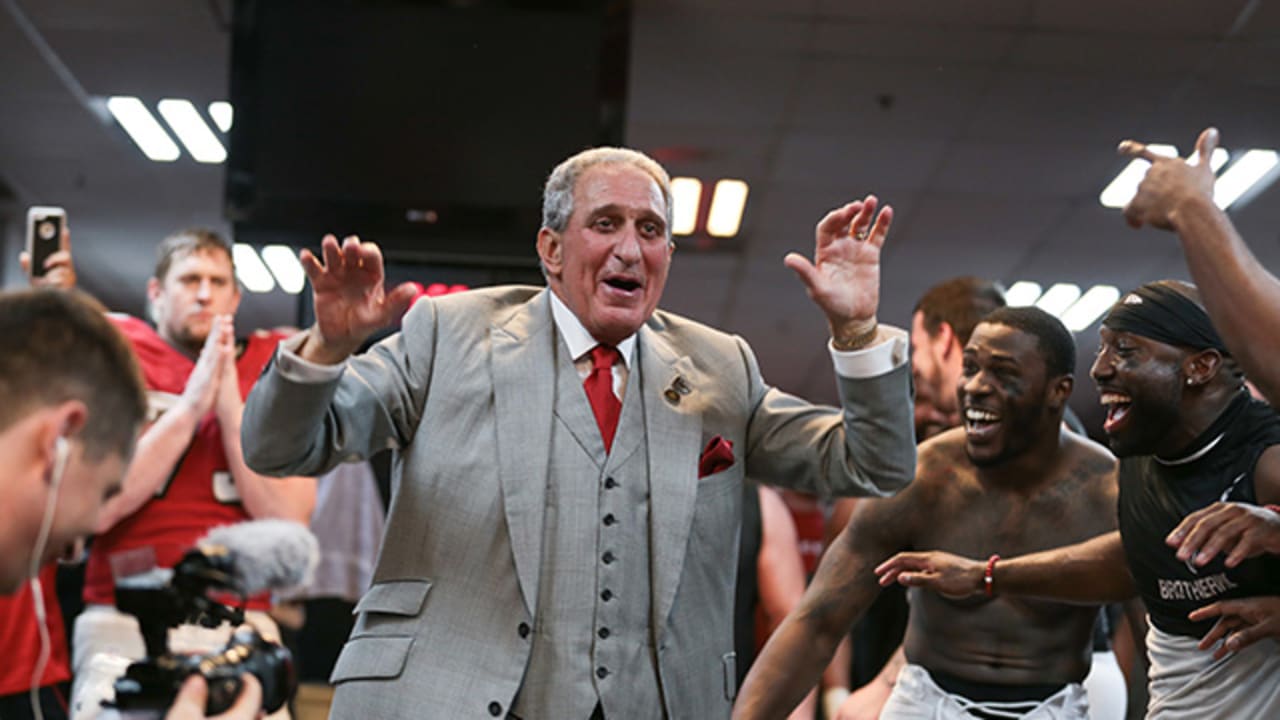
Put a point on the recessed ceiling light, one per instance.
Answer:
(1022, 294)
(250, 270)
(1058, 298)
(686, 193)
(1253, 168)
(728, 200)
(221, 113)
(282, 260)
(192, 131)
(1090, 307)
(143, 128)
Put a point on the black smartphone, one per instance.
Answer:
(44, 235)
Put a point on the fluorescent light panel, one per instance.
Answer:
(1022, 294)
(250, 270)
(143, 128)
(222, 114)
(1090, 307)
(1058, 298)
(284, 265)
(686, 193)
(1121, 190)
(727, 203)
(1250, 169)
(192, 131)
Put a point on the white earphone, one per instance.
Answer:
(61, 453)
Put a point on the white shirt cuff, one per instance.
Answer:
(888, 352)
(292, 367)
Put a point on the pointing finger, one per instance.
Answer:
(1135, 149)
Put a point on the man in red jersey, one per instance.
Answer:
(188, 474)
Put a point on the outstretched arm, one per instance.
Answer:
(1241, 296)
(793, 660)
(780, 571)
(1092, 572)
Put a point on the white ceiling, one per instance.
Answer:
(989, 125)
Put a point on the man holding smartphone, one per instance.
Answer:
(27, 618)
(73, 405)
(49, 245)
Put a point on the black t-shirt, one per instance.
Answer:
(1155, 496)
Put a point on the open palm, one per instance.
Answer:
(350, 300)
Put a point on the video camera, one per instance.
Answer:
(189, 593)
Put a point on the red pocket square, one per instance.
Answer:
(718, 456)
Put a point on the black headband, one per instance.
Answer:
(1159, 311)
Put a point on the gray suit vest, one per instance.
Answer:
(593, 640)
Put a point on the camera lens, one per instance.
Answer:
(47, 229)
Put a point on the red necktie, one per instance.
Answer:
(599, 387)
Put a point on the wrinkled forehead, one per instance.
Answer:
(619, 185)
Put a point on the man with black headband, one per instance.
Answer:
(1242, 297)
(1188, 435)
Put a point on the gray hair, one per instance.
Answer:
(557, 195)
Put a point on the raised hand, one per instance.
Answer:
(203, 384)
(59, 272)
(941, 572)
(1169, 182)
(1241, 623)
(1238, 529)
(844, 276)
(350, 300)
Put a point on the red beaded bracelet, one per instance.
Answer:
(988, 579)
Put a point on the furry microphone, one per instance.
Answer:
(263, 554)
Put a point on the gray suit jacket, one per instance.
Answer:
(465, 394)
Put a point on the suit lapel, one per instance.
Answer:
(673, 430)
(523, 352)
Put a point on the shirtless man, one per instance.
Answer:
(1188, 435)
(1009, 481)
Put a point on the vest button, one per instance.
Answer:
(609, 520)
(603, 633)
(602, 673)
(523, 630)
(607, 557)
(606, 595)
(495, 709)
(610, 483)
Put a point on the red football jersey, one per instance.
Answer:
(200, 494)
(20, 637)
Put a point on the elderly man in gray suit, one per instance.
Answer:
(565, 510)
